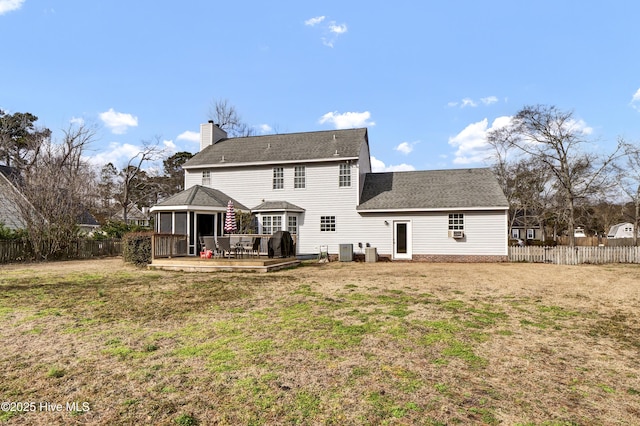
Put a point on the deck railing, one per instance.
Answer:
(168, 245)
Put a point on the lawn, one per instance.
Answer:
(338, 343)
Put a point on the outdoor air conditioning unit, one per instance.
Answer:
(457, 234)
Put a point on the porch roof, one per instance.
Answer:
(277, 206)
(201, 197)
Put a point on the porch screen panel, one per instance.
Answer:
(165, 223)
(181, 223)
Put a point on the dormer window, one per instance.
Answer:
(344, 179)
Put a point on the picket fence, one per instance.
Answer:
(565, 255)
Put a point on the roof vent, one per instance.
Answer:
(334, 136)
(222, 161)
(269, 145)
(335, 154)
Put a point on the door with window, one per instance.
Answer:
(402, 239)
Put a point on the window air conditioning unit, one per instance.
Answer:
(457, 234)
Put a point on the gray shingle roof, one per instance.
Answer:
(276, 206)
(432, 189)
(200, 196)
(281, 148)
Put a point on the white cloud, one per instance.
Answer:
(468, 102)
(330, 30)
(189, 136)
(635, 100)
(117, 154)
(118, 122)
(314, 21)
(472, 141)
(78, 121)
(348, 120)
(405, 147)
(337, 29)
(265, 129)
(378, 166)
(10, 5)
(579, 126)
(170, 146)
(489, 100)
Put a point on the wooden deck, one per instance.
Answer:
(196, 264)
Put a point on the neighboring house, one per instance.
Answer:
(135, 216)
(621, 230)
(10, 215)
(319, 186)
(525, 230)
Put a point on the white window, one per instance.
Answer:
(299, 177)
(276, 222)
(292, 224)
(278, 177)
(327, 223)
(345, 175)
(530, 234)
(271, 224)
(456, 221)
(206, 177)
(515, 233)
(266, 224)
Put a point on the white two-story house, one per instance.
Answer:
(319, 186)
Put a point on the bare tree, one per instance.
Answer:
(628, 178)
(555, 138)
(228, 119)
(130, 176)
(52, 190)
(524, 182)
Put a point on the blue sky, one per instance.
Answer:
(427, 78)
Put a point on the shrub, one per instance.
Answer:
(9, 234)
(136, 248)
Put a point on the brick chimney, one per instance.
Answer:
(210, 134)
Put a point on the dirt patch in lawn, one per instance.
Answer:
(341, 343)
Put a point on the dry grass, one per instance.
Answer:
(340, 343)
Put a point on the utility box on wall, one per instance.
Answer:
(371, 254)
(346, 253)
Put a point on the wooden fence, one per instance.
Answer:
(565, 255)
(596, 241)
(19, 251)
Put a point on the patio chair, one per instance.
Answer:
(224, 245)
(255, 248)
